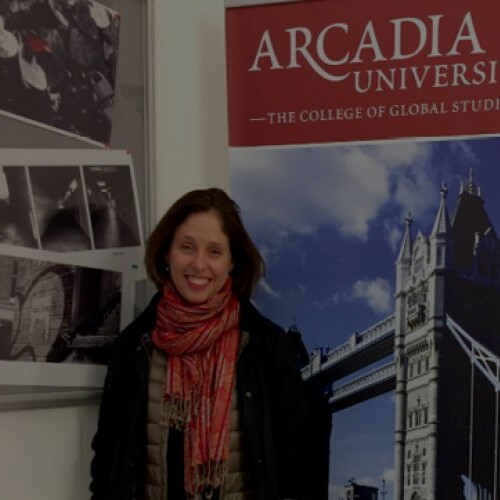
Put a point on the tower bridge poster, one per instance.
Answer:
(365, 150)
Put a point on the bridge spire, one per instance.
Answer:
(405, 250)
(442, 222)
(469, 187)
(440, 237)
(403, 262)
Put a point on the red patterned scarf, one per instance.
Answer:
(202, 345)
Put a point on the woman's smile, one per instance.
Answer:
(197, 281)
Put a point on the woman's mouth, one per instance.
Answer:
(197, 281)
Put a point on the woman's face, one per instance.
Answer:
(199, 257)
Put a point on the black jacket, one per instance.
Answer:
(271, 399)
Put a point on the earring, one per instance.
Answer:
(167, 268)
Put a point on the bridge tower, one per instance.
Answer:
(445, 416)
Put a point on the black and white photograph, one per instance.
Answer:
(58, 64)
(58, 313)
(63, 299)
(16, 214)
(60, 209)
(113, 212)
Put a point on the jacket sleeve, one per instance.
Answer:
(111, 441)
(119, 442)
(289, 417)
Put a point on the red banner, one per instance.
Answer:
(328, 72)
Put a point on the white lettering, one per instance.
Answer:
(331, 47)
(435, 52)
(265, 49)
(467, 26)
(320, 45)
(295, 49)
(371, 42)
(422, 31)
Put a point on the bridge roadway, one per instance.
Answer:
(367, 386)
(362, 349)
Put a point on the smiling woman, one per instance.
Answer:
(203, 399)
(200, 257)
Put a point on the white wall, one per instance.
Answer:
(45, 454)
(190, 95)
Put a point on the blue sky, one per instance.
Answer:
(329, 221)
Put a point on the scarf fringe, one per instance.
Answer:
(207, 477)
(177, 412)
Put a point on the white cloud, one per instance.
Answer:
(377, 293)
(299, 290)
(463, 149)
(267, 288)
(328, 301)
(367, 481)
(416, 191)
(394, 235)
(266, 251)
(300, 189)
(388, 475)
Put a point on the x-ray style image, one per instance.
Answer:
(57, 313)
(58, 64)
(113, 212)
(16, 215)
(60, 210)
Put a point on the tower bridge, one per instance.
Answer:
(445, 377)
(362, 349)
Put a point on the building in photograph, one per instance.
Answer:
(57, 312)
(354, 491)
(445, 410)
(447, 420)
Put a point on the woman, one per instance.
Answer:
(202, 399)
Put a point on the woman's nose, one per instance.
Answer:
(199, 261)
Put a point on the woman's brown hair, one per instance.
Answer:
(248, 264)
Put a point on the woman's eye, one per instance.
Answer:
(216, 252)
(186, 247)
